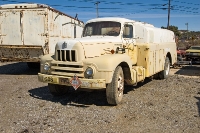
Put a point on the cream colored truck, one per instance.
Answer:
(112, 52)
(28, 31)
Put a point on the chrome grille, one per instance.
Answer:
(67, 68)
(66, 55)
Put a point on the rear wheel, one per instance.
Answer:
(58, 90)
(114, 90)
(165, 73)
(156, 76)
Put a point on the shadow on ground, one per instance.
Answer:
(189, 71)
(198, 104)
(20, 68)
(78, 98)
(73, 98)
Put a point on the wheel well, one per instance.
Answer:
(170, 57)
(126, 70)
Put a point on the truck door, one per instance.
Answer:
(35, 27)
(10, 32)
(129, 41)
(22, 27)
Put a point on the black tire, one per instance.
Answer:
(156, 76)
(58, 90)
(33, 65)
(187, 59)
(114, 90)
(179, 58)
(165, 73)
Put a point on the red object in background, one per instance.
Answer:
(181, 51)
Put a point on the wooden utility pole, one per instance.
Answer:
(187, 30)
(97, 8)
(168, 14)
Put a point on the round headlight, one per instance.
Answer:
(89, 71)
(46, 66)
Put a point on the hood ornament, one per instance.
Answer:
(64, 45)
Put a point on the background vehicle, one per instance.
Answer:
(112, 52)
(29, 31)
(193, 53)
(181, 51)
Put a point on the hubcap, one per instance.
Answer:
(167, 70)
(120, 86)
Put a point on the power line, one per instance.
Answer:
(152, 7)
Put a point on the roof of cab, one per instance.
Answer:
(118, 19)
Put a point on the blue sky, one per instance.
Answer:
(151, 11)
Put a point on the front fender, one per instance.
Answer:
(106, 64)
(44, 59)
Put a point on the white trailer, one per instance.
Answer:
(29, 31)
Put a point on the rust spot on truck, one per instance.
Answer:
(21, 26)
(20, 53)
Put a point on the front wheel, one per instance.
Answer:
(165, 73)
(114, 90)
(58, 90)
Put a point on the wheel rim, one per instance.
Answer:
(120, 86)
(167, 70)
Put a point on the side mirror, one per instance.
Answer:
(120, 49)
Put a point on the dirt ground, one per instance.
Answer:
(168, 106)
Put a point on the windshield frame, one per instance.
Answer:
(102, 28)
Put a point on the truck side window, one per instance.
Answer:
(88, 31)
(128, 31)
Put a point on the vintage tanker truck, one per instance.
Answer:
(112, 52)
(30, 30)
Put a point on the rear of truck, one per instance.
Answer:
(29, 31)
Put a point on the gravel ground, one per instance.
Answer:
(167, 106)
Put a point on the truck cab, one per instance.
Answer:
(112, 52)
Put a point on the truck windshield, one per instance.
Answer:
(107, 28)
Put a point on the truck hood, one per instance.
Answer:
(193, 50)
(92, 39)
(91, 46)
(89, 39)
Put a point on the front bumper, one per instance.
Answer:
(62, 80)
(22, 53)
(193, 55)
